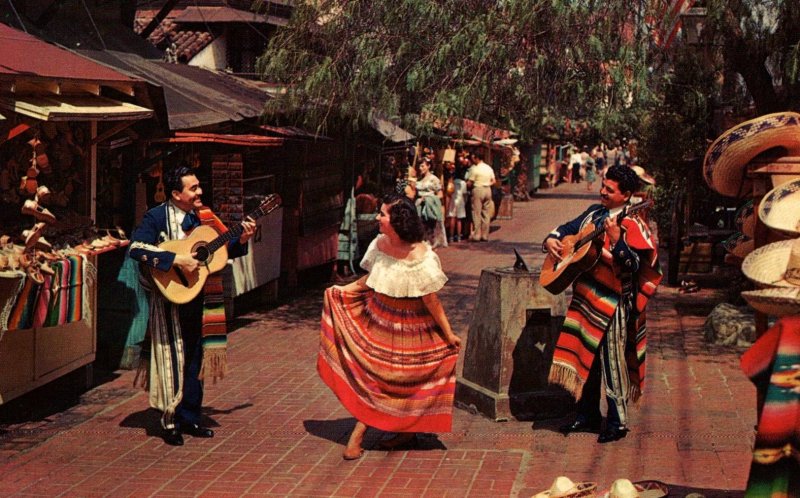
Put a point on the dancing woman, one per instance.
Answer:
(386, 347)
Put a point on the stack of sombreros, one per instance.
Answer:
(725, 163)
(775, 268)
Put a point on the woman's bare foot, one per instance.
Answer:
(398, 440)
(353, 450)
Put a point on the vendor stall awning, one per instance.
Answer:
(292, 132)
(193, 96)
(73, 108)
(25, 57)
(220, 138)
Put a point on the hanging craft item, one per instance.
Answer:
(449, 155)
(40, 161)
(160, 195)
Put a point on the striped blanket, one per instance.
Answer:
(596, 296)
(773, 364)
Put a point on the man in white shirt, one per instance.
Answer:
(481, 178)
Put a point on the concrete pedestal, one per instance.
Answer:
(509, 350)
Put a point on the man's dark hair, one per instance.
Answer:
(173, 178)
(404, 218)
(626, 178)
(477, 155)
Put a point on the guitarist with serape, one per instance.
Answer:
(604, 331)
(187, 340)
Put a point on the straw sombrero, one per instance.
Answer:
(563, 487)
(724, 166)
(643, 176)
(775, 301)
(774, 265)
(780, 208)
(623, 488)
(745, 219)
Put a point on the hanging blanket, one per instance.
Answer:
(773, 364)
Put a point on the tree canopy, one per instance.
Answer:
(528, 65)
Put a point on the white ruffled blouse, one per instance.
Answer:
(401, 277)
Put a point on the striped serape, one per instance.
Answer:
(773, 364)
(386, 361)
(596, 296)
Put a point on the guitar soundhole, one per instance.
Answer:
(202, 254)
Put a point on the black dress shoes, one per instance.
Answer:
(612, 434)
(580, 426)
(173, 437)
(197, 430)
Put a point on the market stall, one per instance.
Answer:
(59, 107)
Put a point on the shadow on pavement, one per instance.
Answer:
(338, 431)
(148, 419)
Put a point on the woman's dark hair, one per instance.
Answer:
(626, 178)
(404, 218)
(173, 178)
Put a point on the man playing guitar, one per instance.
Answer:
(178, 332)
(604, 330)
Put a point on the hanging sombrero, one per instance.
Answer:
(780, 208)
(745, 219)
(725, 163)
(643, 175)
(774, 265)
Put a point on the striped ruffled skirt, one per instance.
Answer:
(386, 361)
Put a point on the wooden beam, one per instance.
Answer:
(111, 132)
(162, 14)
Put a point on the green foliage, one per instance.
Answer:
(526, 63)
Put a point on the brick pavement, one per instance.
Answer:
(280, 431)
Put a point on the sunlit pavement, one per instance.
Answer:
(280, 431)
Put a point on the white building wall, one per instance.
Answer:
(213, 56)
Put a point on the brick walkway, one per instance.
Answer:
(280, 431)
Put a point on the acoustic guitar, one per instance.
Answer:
(580, 253)
(211, 250)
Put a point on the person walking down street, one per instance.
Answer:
(603, 336)
(481, 177)
(456, 205)
(590, 174)
(575, 163)
(386, 346)
(186, 342)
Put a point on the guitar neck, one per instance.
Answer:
(625, 212)
(236, 231)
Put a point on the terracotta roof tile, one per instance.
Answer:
(188, 43)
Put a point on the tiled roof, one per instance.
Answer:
(188, 42)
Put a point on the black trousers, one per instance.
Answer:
(191, 318)
(588, 406)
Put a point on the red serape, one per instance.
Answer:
(596, 295)
(386, 361)
(773, 364)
